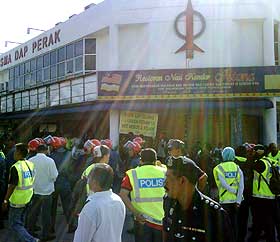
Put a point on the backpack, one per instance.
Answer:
(274, 183)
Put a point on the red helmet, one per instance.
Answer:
(33, 144)
(63, 141)
(96, 142)
(41, 141)
(90, 144)
(107, 142)
(136, 147)
(56, 142)
(139, 140)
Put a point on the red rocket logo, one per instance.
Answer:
(189, 45)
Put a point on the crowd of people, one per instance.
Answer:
(172, 193)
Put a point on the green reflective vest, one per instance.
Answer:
(24, 190)
(229, 170)
(260, 188)
(240, 158)
(86, 174)
(147, 193)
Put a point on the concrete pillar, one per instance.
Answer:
(114, 126)
(270, 123)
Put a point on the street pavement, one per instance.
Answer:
(61, 230)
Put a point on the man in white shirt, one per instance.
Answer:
(102, 218)
(45, 176)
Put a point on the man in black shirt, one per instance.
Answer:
(190, 215)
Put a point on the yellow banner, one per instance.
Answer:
(138, 123)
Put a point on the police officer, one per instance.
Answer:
(191, 216)
(144, 184)
(19, 193)
(176, 148)
(263, 201)
(230, 183)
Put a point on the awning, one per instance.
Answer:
(142, 106)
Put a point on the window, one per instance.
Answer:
(39, 76)
(33, 64)
(79, 48)
(53, 72)
(69, 51)
(33, 78)
(61, 69)
(61, 54)
(46, 74)
(79, 64)
(39, 62)
(53, 57)
(70, 67)
(27, 79)
(21, 69)
(27, 67)
(46, 60)
(90, 64)
(90, 46)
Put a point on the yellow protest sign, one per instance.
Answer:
(138, 123)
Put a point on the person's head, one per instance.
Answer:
(181, 177)
(21, 151)
(176, 147)
(132, 148)
(241, 151)
(101, 154)
(148, 156)
(259, 151)
(42, 149)
(228, 154)
(100, 177)
(273, 148)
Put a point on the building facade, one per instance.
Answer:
(54, 81)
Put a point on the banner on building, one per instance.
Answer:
(189, 83)
(138, 123)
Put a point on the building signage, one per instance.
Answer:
(189, 83)
(36, 46)
(189, 46)
(138, 123)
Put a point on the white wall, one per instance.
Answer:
(134, 47)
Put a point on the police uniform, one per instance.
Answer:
(204, 221)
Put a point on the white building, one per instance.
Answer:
(50, 82)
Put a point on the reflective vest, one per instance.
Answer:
(86, 174)
(260, 188)
(229, 170)
(276, 157)
(147, 193)
(24, 189)
(241, 159)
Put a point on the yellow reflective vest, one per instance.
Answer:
(147, 193)
(260, 188)
(229, 170)
(86, 174)
(24, 190)
(241, 159)
(276, 157)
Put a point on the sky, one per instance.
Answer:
(18, 15)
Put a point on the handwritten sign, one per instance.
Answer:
(138, 123)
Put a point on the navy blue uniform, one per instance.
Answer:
(204, 221)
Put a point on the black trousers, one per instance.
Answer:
(242, 220)
(263, 218)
